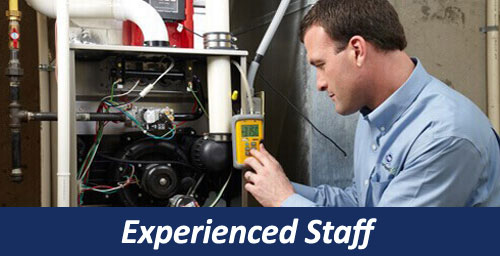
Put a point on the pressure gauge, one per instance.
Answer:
(248, 133)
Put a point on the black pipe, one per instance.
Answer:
(16, 174)
(151, 73)
(14, 72)
(189, 117)
(82, 117)
(97, 117)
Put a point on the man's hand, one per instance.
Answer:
(268, 184)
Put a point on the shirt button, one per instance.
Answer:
(374, 147)
(367, 182)
(382, 129)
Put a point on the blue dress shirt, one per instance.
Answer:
(427, 145)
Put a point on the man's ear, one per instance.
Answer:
(358, 46)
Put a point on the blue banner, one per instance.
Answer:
(249, 231)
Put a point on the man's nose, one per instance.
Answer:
(321, 84)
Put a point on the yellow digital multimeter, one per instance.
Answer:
(248, 133)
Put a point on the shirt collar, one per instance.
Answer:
(391, 110)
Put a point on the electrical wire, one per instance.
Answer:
(199, 102)
(301, 114)
(108, 190)
(127, 104)
(89, 159)
(217, 199)
(113, 88)
(144, 92)
(192, 190)
(83, 172)
(124, 94)
(126, 161)
(189, 30)
(172, 64)
(167, 136)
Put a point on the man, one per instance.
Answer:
(418, 142)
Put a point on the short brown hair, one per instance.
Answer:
(375, 20)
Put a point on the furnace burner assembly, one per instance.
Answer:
(149, 122)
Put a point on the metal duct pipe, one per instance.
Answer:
(493, 64)
(219, 71)
(137, 11)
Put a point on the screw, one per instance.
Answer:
(129, 139)
(120, 169)
(163, 181)
(139, 195)
(139, 165)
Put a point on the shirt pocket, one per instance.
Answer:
(379, 181)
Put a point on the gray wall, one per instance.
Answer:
(444, 34)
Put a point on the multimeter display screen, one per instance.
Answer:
(249, 131)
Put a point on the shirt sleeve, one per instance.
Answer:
(439, 172)
(322, 196)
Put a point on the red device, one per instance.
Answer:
(132, 34)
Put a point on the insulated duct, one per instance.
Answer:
(137, 11)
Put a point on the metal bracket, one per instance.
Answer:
(488, 29)
(46, 67)
(219, 40)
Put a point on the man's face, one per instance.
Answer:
(337, 72)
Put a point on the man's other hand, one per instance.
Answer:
(268, 183)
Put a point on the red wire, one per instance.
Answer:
(193, 110)
(102, 187)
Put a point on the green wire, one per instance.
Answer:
(199, 103)
(172, 131)
(92, 152)
(113, 90)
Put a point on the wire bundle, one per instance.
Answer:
(108, 103)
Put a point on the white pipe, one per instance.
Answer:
(493, 64)
(219, 71)
(266, 41)
(45, 152)
(63, 105)
(137, 11)
(53, 135)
